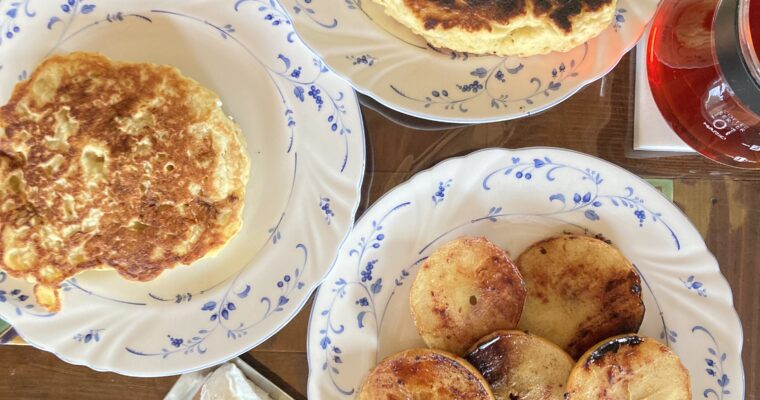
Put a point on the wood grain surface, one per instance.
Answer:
(723, 203)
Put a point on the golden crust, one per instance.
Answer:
(424, 374)
(630, 367)
(475, 15)
(503, 27)
(580, 291)
(108, 164)
(519, 365)
(464, 290)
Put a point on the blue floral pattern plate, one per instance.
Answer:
(385, 60)
(306, 144)
(515, 198)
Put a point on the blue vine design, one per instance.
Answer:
(9, 27)
(585, 202)
(303, 88)
(714, 363)
(309, 12)
(486, 81)
(219, 313)
(440, 193)
(364, 59)
(181, 297)
(369, 285)
(274, 14)
(371, 288)
(21, 301)
(93, 335)
(617, 24)
(274, 232)
(691, 283)
(324, 205)
(73, 8)
(72, 284)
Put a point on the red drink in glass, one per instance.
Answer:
(689, 83)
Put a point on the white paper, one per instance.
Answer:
(650, 130)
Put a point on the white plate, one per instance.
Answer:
(306, 143)
(383, 59)
(515, 198)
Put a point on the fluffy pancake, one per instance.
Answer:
(504, 27)
(117, 165)
(466, 289)
(424, 374)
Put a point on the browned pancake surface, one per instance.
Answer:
(153, 182)
(476, 15)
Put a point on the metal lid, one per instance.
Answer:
(735, 58)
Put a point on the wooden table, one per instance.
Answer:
(723, 203)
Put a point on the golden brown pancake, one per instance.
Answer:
(504, 27)
(116, 165)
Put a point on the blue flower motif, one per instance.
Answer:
(691, 283)
(9, 27)
(176, 342)
(440, 193)
(315, 93)
(90, 336)
(364, 59)
(641, 215)
(619, 19)
(366, 274)
(498, 98)
(473, 87)
(363, 302)
(714, 363)
(324, 205)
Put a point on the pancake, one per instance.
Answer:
(113, 165)
(424, 374)
(504, 27)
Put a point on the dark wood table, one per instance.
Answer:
(723, 203)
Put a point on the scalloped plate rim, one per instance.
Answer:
(734, 315)
(363, 89)
(357, 148)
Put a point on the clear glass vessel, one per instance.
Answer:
(703, 68)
